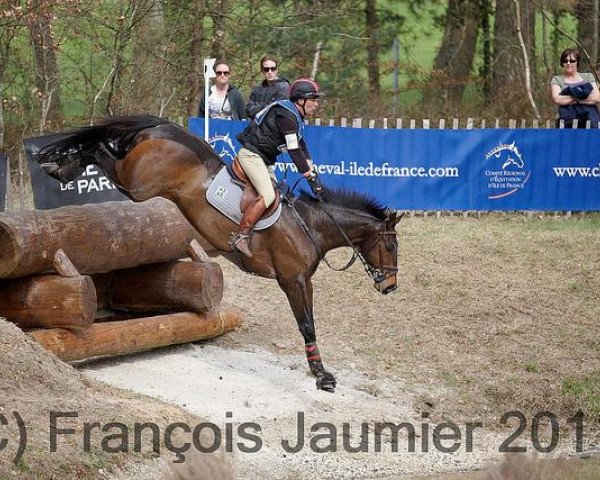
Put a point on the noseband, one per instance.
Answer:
(384, 271)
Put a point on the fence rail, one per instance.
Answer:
(442, 124)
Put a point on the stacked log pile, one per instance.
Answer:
(59, 268)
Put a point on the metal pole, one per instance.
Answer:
(395, 83)
(209, 73)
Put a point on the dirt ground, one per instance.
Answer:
(492, 316)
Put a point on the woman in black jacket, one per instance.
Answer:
(271, 89)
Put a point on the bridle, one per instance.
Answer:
(379, 274)
(386, 270)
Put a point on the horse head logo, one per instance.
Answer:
(513, 156)
(223, 145)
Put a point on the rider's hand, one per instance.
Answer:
(315, 184)
(310, 172)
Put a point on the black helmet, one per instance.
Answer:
(305, 88)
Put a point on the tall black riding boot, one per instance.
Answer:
(252, 214)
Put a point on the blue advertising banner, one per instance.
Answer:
(490, 169)
(90, 187)
(3, 185)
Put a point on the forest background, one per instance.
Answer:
(70, 62)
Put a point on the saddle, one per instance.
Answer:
(249, 195)
(231, 193)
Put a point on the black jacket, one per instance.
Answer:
(266, 93)
(236, 100)
(267, 139)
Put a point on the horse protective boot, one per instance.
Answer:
(240, 241)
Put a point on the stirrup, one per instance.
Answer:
(239, 241)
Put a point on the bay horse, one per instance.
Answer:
(148, 156)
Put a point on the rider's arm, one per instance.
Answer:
(296, 147)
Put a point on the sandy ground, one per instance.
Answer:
(476, 329)
(257, 378)
(272, 391)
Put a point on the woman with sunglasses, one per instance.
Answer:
(575, 93)
(272, 88)
(225, 100)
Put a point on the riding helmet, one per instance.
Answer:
(305, 88)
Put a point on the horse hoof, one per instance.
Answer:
(326, 383)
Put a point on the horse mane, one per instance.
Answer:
(351, 199)
(120, 131)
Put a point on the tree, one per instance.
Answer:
(508, 76)
(587, 14)
(372, 32)
(452, 65)
(45, 60)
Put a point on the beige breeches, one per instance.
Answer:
(259, 174)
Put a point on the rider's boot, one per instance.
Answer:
(252, 214)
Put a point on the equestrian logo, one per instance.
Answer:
(223, 145)
(505, 171)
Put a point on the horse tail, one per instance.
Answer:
(67, 156)
(116, 133)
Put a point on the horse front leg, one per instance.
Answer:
(299, 292)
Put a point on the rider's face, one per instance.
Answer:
(310, 106)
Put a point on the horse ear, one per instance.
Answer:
(392, 218)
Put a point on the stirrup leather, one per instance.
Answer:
(240, 242)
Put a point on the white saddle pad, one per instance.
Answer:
(225, 196)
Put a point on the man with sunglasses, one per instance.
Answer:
(225, 100)
(277, 128)
(272, 88)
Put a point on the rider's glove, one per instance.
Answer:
(314, 183)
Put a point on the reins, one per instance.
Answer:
(355, 252)
(375, 274)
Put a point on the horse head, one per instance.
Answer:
(380, 251)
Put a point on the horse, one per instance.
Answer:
(147, 157)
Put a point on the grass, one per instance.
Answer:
(584, 392)
(530, 468)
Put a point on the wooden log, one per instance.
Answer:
(63, 265)
(48, 301)
(102, 283)
(196, 252)
(96, 238)
(136, 335)
(173, 286)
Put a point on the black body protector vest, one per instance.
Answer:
(263, 136)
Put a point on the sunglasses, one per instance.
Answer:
(269, 69)
(223, 73)
(569, 61)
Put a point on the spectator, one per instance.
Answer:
(224, 100)
(272, 88)
(575, 93)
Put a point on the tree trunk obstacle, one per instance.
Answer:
(59, 267)
(136, 335)
(49, 301)
(96, 238)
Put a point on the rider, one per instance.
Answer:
(276, 128)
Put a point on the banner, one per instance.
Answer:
(3, 177)
(418, 169)
(91, 186)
